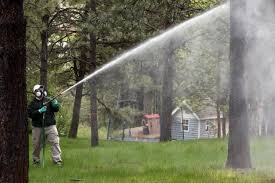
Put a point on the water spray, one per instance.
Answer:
(145, 45)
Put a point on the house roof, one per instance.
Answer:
(187, 111)
(208, 112)
(151, 116)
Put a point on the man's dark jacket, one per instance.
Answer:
(37, 117)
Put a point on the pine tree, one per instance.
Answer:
(238, 145)
(13, 116)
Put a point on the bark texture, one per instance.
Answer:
(13, 116)
(93, 95)
(167, 98)
(44, 52)
(167, 86)
(79, 74)
(218, 119)
(238, 145)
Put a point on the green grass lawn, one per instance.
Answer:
(120, 162)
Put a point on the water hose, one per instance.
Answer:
(51, 99)
(43, 140)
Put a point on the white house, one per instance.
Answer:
(187, 124)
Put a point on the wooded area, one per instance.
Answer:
(77, 37)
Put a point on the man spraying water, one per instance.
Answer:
(44, 125)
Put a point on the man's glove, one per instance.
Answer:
(42, 109)
(55, 103)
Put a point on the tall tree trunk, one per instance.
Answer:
(218, 94)
(79, 74)
(157, 99)
(224, 126)
(76, 112)
(93, 95)
(44, 52)
(167, 98)
(218, 118)
(140, 92)
(271, 121)
(13, 116)
(238, 145)
(167, 86)
(140, 99)
(109, 125)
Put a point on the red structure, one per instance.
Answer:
(150, 128)
(152, 121)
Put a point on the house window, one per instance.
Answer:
(207, 125)
(185, 125)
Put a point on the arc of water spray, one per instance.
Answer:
(144, 45)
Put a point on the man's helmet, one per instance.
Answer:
(39, 91)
